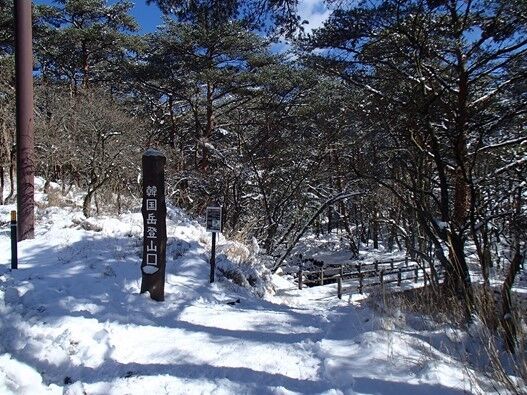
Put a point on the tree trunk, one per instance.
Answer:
(330, 219)
(2, 181)
(96, 201)
(375, 230)
(85, 66)
(457, 276)
(86, 204)
(47, 185)
(63, 180)
(486, 263)
(11, 178)
(119, 204)
(345, 223)
(269, 238)
(209, 127)
(459, 268)
(507, 317)
(391, 237)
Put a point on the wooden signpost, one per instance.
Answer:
(154, 220)
(214, 225)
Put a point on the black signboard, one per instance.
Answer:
(214, 220)
(154, 220)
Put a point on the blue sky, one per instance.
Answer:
(149, 16)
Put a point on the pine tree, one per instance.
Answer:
(264, 15)
(199, 75)
(83, 41)
(439, 72)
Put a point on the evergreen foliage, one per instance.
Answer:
(401, 122)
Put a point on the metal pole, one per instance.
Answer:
(24, 120)
(213, 257)
(14, 247)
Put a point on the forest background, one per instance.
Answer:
(400, 122)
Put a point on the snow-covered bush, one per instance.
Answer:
(241, 265)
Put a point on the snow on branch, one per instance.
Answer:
(330, 201)
(519, 140)
(510, 166)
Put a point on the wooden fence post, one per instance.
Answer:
(416, 273)
(405, 261)
(391, 263)
(339, 287)
(399, 278)
(322, 275)
(376, 265)
(381, 277)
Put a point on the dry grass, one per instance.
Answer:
(55, 198)
(489, 357)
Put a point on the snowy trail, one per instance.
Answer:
(73, 321)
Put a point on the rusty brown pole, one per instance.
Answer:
(24, 120)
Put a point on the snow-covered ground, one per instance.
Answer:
(72, 321)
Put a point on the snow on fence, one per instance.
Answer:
(350, 277)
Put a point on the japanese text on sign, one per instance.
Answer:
(151, 231)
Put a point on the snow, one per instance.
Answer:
(73, 321)
(441, 224)
(153, 152)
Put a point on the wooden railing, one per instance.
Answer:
(329, 272)
(382, 273)
(390, 276)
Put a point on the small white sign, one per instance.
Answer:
(214, 219)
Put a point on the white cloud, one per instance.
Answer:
(313, 11)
